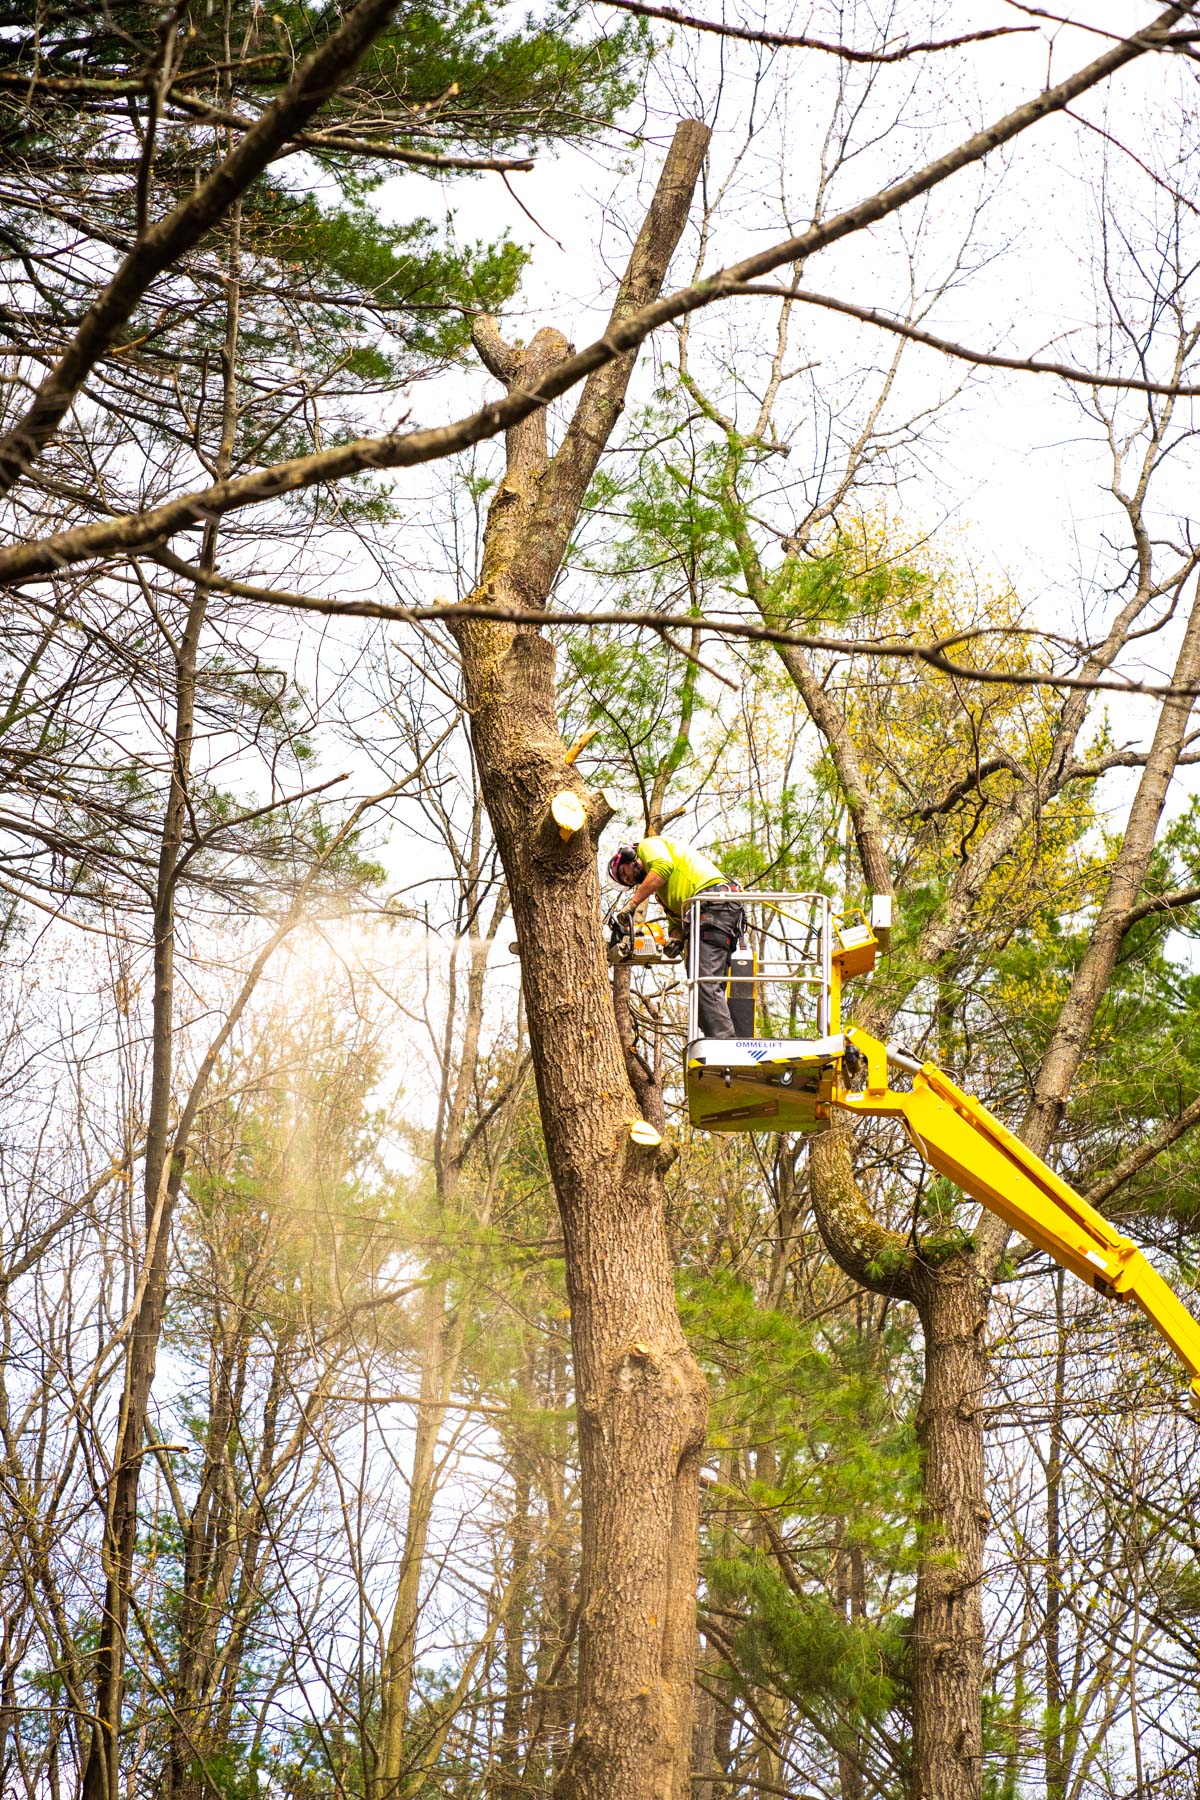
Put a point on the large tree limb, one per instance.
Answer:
(407, 449)
(874, 1257)
(560, 495)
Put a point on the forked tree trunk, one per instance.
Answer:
(953, 1298)
(639, 1392)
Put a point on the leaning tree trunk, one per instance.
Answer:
(639, 1392)
(163, 1164)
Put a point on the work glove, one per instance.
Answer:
(673, 949)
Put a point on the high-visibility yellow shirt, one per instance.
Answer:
(687, 872)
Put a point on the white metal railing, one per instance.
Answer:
(791, 937)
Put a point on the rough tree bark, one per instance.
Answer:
(948, 1643)
(951, 1298)
(640, 1395)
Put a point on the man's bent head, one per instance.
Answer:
(624, 867)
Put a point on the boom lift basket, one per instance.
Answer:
(774, 1078)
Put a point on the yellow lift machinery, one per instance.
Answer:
(791, 1064)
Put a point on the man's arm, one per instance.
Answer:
(651, 883)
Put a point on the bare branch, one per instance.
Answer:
(1024, 365)
(974, 779)
(933, 653)
(782, 40)
(1161, 903)
(1168, 1133)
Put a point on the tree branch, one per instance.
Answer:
(1167, 1134)
(1161, 903)
(781, 40)
(446, 611)
(498, 357)
(560, 493)
(992, 765)
(1024, 365)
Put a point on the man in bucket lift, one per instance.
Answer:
(676, 873)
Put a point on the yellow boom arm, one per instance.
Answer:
(962, 1140)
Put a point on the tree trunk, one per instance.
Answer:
(163, 1179)
(1052, 1735)
(948, 1615)
(440, 1347)
(704, 1737)
(640, 1394)
(852, 1600)
(552, 1707)
(509, 1783)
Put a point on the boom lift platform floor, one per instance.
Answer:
(761, 1084)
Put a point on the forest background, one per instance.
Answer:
(377, 1420)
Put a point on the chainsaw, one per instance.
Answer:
(639, 942)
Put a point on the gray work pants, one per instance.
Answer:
(717, 925)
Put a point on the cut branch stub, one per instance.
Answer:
(581, 743)
(603, 805)
(498, 358)
(569, 814)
